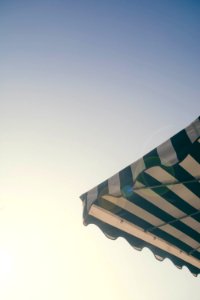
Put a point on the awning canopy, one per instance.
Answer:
(155, 202)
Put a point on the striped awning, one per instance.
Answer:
(155, 202)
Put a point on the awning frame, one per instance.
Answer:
(120, 223)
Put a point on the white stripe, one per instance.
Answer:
(137, 167)
(114, 185)
(179, 189)
(191, 166)
(167, 153)
(91, 197)
(133, 230)
(153, 220)
(137, 185)
(167, 207)
(193, 130)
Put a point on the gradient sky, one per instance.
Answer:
(86, 88)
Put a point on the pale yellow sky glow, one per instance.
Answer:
(45, 251)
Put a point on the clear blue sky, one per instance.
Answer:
(86, 88)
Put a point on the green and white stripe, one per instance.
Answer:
(155, 202)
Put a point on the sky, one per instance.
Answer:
(86, 88)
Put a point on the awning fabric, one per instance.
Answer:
(155, 202)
